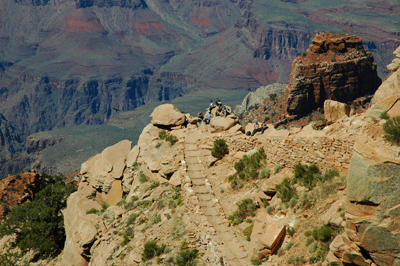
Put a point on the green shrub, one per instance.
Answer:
(39, 224)
(256, 262)
(156, 218)
(289, 244)
(392, 130)
(264, 173)
(152, 249)
(285, 191)
(246, 208)
(143, 178)
(159, 144)
(162, 134)
(309, 240)
(313, 247)
(290, 231)
(131, 219)
(186, 257)
(154, 184)
(312, 260)
(220, 148)
(247, 232)
(293, 200)
(93, 211)
(247, 168)
(322, 233)
(290, 259)
(329, 175)
(172, 139)
(126, 240)
(277, 168)
(168, 216)
(308, 175)
(270, 209)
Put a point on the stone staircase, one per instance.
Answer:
(233, 250)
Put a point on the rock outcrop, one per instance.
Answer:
(395, 65)
(334, 67)
(261, 94)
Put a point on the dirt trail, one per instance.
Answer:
(235, 254)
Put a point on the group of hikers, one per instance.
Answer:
(218, 109)
(221, 110)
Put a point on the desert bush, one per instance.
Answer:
(308, 175)
(245, 208)
(264, 173)
(93, 211)
(256, 262)
(171, 139)
(186, 257)
(290, 231)
(270, 209)
(143, 178)
(247, 232)
(290, 259)
(154, 184)
(131, 219)
(220, 148)
(285, 191)
(309, 240)
(392, 130)
(156, 218)
(289, 244)
(277, 168)
(247, 168)
(164, 135)
(322, 233)
(152, 249)
(329, 175)
(313, 247)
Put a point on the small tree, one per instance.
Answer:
(220, 148)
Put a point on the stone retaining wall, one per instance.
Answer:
(326, 152)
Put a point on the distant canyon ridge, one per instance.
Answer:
(65, 63)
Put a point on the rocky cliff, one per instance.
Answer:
(335, 67)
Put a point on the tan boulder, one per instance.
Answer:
(235, 128)
(167, 115)
(334, 110)
(220, 123)
(273, 237)
(395, 65)
(175, 179)
(115, 193)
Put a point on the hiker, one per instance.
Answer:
(224, 111)
(208, 117)
(212, 105)
(201, 117)
(218, 102)
(263, 127)
(256, 128)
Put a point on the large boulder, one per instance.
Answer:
(167, 115)
(334, 68)
(334, 110)
(220, 123)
